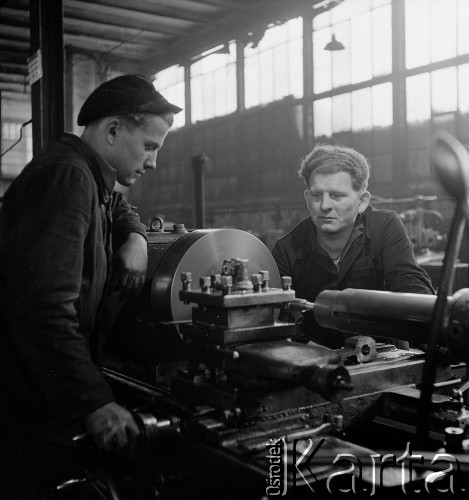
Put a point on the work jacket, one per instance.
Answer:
(58, 224)
(378, 256)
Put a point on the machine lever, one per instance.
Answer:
(451, 162)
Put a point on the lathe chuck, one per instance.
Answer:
(202, 251)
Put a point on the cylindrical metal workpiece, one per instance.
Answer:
(405, 316)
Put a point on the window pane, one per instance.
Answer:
(231, 89)
(361, 109)
(14, 162)
(382, 41)
(213, 79)
(341, 74)
(322, 117)
(274, 36)
(361, 56)
(280, 75)
(341, 113)
(295, 73)
(463, 88)
(197, 98)
(417, 33)
(442, 29)
(322, 61)
(382, 105)
(348, 9)
(418, 98)
(170, 82)
(251, 74)
(209, 95)
(274, 69)
(463, 32)
(266, 76)
(322, 20)
(444, 90)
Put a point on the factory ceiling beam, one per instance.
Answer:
(227, 4)
(14, 79)
(115, 33)
(17, 45)
(7, 67)
(167, 9)
(17, 88)
(127, 50)
(125, 17)
(260, 14)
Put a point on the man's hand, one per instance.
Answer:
(113, 428)
(130, 263)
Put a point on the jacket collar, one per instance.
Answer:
(310, 241)
(108, 174)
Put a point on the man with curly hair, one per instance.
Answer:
(345, 243)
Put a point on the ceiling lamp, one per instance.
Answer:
(334, 45)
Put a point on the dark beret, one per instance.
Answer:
(123, 95)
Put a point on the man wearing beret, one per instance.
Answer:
(345, 243)
(66, 238)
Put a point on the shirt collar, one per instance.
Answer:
(311, 241)
(109, 173)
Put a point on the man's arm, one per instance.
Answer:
(401, 271)
(130, 248)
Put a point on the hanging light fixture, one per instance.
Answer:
(334, 44)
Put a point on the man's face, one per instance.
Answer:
(134, 151)
(333, 203)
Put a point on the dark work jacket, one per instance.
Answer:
(379, 257)
(57, 224)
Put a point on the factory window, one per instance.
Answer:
(362, 109)
(441, 91)
(444, 90)
(381, 97)
(170, 82)
(213, 83)
(10, 130)
(21, 153)
(322, 112)
(341, 113)
(273, 68)
(435, 30)
(364, 28)
(463, 85)
(418, 98)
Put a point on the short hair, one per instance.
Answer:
(332, 158)
(141, 120)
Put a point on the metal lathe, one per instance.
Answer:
(230, 405)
